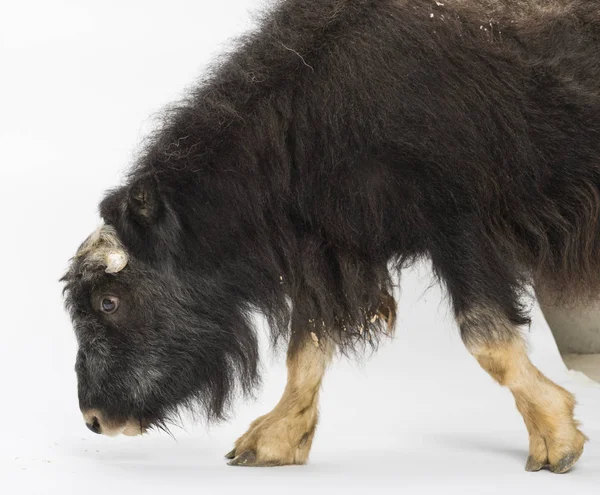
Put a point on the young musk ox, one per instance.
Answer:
(342, 140)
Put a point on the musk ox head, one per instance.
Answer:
(152, 337)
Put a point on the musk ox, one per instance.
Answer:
(337, 143)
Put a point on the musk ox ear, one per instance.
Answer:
(145, 222)
(144, 200)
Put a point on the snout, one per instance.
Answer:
(98, 423)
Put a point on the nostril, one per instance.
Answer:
(94, 425)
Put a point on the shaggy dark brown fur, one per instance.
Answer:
(340, 139)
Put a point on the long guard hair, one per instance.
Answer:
(343, 138)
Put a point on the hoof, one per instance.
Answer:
(566, 463)
(562, 466)
(249, 459)
(534, 465)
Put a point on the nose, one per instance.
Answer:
(93, 420)
(94, 425)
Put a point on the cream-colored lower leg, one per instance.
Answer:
(554, 438)
(285, 435)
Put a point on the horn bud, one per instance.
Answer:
(116, 261)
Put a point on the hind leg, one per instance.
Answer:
(484, 290)
(547, 409)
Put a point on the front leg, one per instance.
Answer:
(284, 436)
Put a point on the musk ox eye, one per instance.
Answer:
(109, 304)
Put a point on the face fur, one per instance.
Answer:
(151, 341)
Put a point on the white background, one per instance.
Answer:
(79, 83)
